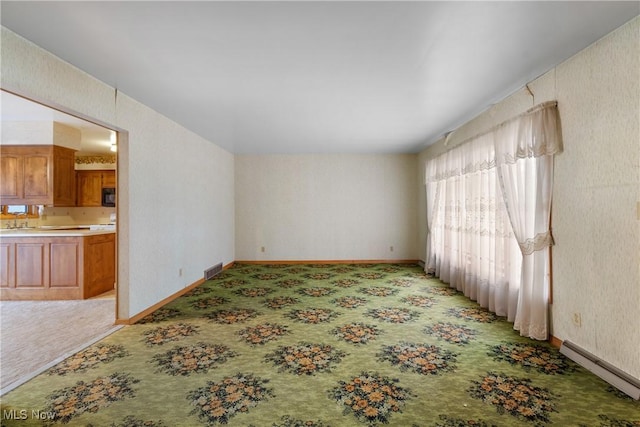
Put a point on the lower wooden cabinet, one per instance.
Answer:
(32, 262)
(99, 263)
(57, 268)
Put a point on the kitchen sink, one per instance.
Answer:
(62, 227)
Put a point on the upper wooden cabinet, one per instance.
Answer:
(64, 177)
(109, 179)
(37, 175)
(89, 188)
(90, 185)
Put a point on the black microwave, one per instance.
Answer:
(109, 197)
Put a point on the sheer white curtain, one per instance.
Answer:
(488, 209)
(472, 246)
(524, 155)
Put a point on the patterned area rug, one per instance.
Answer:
(319, 345)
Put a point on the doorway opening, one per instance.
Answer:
(62, 309)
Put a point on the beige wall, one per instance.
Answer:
(596, 223)
(326, 207)
(162, 227)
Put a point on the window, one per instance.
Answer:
(15, 211)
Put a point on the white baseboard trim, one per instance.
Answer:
(614, 376)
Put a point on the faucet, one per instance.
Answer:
(15, 225)
(25, 224)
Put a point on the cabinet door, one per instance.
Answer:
(11, 178)
(26, 175)
(37, 175)
(7, 264)
(89, 188)
(32, 265)
(99, 264)
(64, 177)
(64, 263)
(109, 179)
(37, 169)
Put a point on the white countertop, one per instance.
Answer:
(59, 231)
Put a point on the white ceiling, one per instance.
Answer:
(94, 139)
(310, 77)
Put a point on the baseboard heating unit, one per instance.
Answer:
(614, 376)
(209, 273)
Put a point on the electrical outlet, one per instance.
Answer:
(180, 272)
(390, 248)
(261, 248)
(577, 319)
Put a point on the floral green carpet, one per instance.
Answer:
(319, 345)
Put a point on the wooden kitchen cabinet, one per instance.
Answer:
(64, 176)
(89, 188)
(7, 264)
(24, 177)
(109, 179)
(57, 268)
(37, 175)
(90, 184)
(99, 263)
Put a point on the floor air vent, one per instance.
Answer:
(614, 376)
(213, 271)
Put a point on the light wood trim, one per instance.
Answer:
(158, 305)
(167, 300)
(550, 300)
(340, 261)
(554, 341)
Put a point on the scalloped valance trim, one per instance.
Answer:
(535, 133)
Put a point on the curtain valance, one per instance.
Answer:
(534, 133)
